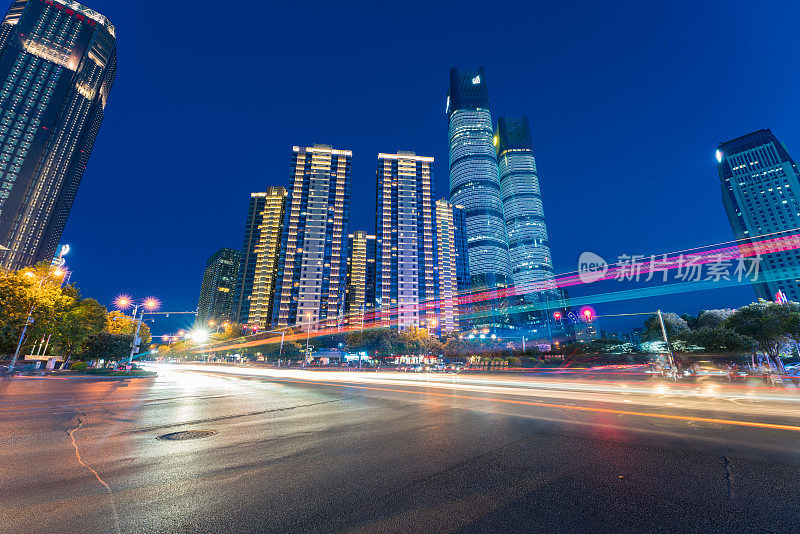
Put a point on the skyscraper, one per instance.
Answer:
(247, 267)
(267, 253)
(761, 195)
(452, 269)
(361, 276)
(219, 282)
(404, 230)
(528, 245)
(312, 270)
(474, 181)
(57, 64)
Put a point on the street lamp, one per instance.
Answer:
(57, 273)
(308, 334)
(123, 302)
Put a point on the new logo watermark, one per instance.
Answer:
(591, 267)
(685, 268)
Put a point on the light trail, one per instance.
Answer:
(701, 398)
(665, 263)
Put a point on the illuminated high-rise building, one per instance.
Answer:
(761, 194)
(249, 261)
(452, 269)
(312, 269)
(528, 245)
(58, 60)
(474, 181)
(404, 230)
(360, 276)
(267, 253)
(219, 282)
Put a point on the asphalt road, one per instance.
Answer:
(379, 452)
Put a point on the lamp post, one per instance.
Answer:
(308, 335)
(58, 272)
(124, 302)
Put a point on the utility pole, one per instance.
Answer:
(135, 342)
(669, 349)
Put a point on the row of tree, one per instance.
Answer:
(68, 325)
(762, 328)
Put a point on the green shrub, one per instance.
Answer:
(79, 366)
(513, 360)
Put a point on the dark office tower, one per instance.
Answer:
(474, 181)
(528, 245)
(57, 63)
(219, 282)
(405, 232)
(312, 271)
(247, 267)
(360, 276)
(761, 194)
(267, 254)
(451, 270)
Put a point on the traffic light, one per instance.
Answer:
(587, 314)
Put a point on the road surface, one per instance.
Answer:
(316, 451)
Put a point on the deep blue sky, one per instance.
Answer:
(626, 103)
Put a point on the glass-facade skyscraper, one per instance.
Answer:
(474, 180)
(404, 229)
(312, 270)
(57, 64)
(528, 245)
(219, 282)
(761, 195)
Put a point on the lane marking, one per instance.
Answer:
(731, 422)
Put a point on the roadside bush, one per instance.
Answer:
(79, 366)
(513, 360)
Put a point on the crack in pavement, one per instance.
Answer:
(729, 477)
(96, 475)
(235, 416)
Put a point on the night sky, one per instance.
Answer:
(626, 104)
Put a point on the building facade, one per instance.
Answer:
(249, 262)
(761, 195)
(404, 229)
(474, 180)
(528, 246)
(267, 254)
(312, 269)
(452, 265)
(217, 289)
(361, 275)
(57, 64)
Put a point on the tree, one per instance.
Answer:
(712, 318)
(107, 346)
(764, 322)
(119, 323)
(33, 291)
(673, 324)
(292, 350)
(231, 331)
(74, 327)
(719, 340)
(691, 320)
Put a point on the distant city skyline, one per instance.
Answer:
(613, 143)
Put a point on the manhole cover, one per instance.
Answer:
(188, 434)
